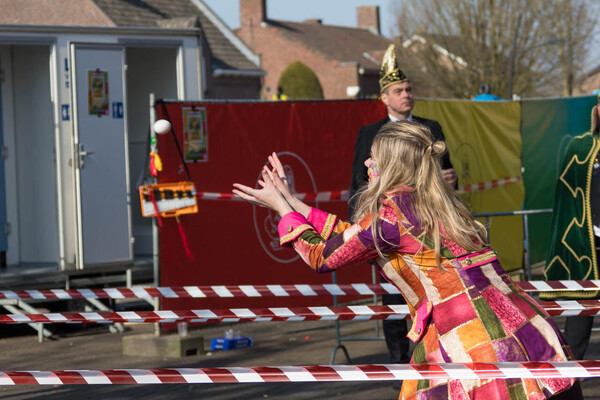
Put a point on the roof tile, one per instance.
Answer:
(53, 12)
(155, 13)
(338, 43)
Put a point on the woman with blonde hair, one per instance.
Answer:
(463, 306)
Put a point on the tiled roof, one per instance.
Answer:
(52, 12)
(342, 44)
(156, 13)
(179, 23)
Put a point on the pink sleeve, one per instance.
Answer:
(291, 226)
(323, 222)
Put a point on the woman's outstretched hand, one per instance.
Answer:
(281, 182)
(268, 196)
(278, 177)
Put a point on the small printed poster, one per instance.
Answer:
(195, 135)
(98, 92)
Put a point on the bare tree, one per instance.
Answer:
(514, 46)
(573, 23)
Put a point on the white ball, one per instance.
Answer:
(162, 126)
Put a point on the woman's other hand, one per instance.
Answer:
(449, 176)
(267, 196)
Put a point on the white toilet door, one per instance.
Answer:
(102, 155)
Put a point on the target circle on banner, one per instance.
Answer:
(466, 162)
(300, 180)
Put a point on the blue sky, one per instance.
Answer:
(332, 12)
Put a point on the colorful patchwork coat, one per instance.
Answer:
(468, 312)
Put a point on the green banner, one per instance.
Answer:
(484, 141)
(547, 126)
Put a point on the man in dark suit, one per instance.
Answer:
(397, 95)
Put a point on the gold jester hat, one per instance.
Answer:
(390, 73)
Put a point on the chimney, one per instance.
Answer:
(367, 17)
(252, 13)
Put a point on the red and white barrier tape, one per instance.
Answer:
(336, 195)
(565, 308)
(481, 186)
(311, 373)
(343, 195)
(204, 291)
(571, 308)
(562, 286)
(351, 289)
(317, 313)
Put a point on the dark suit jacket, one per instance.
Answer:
(362, 148)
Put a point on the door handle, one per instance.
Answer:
(81, 154)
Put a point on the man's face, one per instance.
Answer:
(398, 99)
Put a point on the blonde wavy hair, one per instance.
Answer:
(406, 155)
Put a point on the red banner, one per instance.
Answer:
(234, 242)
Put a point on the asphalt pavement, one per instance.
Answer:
(275, 344)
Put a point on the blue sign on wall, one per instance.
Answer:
(117, 109)
(64, 112)
(66, 72)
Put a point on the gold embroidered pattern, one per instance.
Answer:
(488, 256)
(294, 234)
(584, 220)
(328, 227)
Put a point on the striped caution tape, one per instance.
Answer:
(204, 291)
(318, 313)
(336, 195)
(324, 313)
(350, 289)
(571, 308)
(311, 373)
(481, 186)
(343, 195)
(564, 286)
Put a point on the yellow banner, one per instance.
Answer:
(484, 141)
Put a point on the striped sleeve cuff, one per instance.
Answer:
(291, 226)
(322, 221)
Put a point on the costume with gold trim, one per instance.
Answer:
(571, 248)
(467, 311)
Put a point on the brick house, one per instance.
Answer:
(345, 60)
(232, 69)
(588, 83)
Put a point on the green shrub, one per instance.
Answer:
(297, 81)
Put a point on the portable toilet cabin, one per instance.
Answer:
(73, 130)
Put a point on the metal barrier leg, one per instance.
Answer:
(128, 278)
(113, 328)
(39, 327)
(339, 346)
(527, 247)
(374, 280)
(338, 336)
